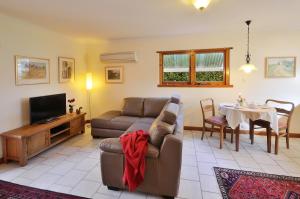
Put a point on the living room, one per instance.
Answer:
(81, 32)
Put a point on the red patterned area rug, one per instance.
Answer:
(14, 191)
(238, 184)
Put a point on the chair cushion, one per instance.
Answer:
(113, 145)
(113, 120)
(159, 130)
(218, 120)
(133, 106)
(170, 113)
(153, 106)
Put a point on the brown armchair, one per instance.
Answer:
(283, 124)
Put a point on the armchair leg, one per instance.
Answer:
(269, 139)
(276, 143)
(251, 131)
(287, 137)
(212, 130)
(232, 132)
(203, 131)
(221, 136)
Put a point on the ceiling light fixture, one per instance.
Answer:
(248, 67)
(201, 4)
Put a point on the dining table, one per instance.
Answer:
(237, 115)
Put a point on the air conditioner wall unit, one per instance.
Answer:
(119, 57)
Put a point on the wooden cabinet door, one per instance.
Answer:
(76, 125)
(38, 142)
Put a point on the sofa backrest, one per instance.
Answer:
(143, 107)
(133, 106)
(153, 106)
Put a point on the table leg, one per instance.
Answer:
(251, 131)
(237, 138)
(269, 139)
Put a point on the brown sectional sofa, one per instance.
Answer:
(163, 159)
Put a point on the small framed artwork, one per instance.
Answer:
(30, 70)
(280, 67)
(114, 74)
(66, 69)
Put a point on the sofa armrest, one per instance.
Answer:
(113, 145)
(170, 158)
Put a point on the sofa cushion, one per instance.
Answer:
(153, 106)
(159, 130)
(175, 99)
(148, 120)
(138, 126)
(170, 113)
(133, 106)
(113, 120)
(113, 145)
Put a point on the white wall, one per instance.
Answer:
(22, 38)
(141, 78)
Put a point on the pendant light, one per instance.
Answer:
(248, 67)
(201, 4)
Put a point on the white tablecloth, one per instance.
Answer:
(236, 116)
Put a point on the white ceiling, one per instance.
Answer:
(115, 19)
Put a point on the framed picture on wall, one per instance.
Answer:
(280, 67)
(66, 69)
(114, 74)
(30, 70)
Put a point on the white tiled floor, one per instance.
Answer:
(73, 167)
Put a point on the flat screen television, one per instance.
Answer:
(44, 109)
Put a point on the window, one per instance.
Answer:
(195, 68)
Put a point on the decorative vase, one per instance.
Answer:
(71, 109)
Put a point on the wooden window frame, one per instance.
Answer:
(192, 75)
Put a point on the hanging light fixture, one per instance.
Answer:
(201, 4)
(248, 67)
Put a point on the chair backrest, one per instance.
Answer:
(207, 107)
(283, 108)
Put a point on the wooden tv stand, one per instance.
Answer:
(23, 143)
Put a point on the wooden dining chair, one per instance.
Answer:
(283, 124)
(209, 117)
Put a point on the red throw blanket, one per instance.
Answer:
(135, 146)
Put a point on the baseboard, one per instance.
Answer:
(261, 133)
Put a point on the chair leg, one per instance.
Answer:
(251, 131)
(232, 132)
(287, 137)
(276, 143)
(212, 130)
(203, 131)
(221, 136)
(225, 131)
(269, 141)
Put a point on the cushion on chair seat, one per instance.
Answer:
(113, 145)
(218, 120)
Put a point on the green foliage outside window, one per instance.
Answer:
(211, 76)
(176, 76)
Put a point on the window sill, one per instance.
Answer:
(194, 86)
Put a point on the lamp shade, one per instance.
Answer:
(201, 4)
(89, 81)
(248, 68)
